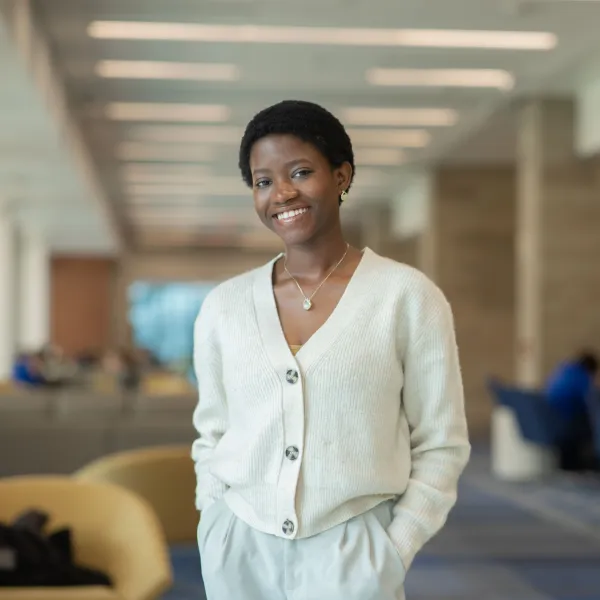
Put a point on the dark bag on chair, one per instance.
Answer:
(31, 558)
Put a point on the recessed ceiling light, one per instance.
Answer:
(266, 34)
(134, 111)
(399, 117)
(165, 173)
(213, 186)
(371, 176)
(161, 152)
(379, 157)
(142, 69)
(470, 78)
(162, 201)
(199, 134)
(185, 215)
(400, 138)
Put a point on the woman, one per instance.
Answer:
(331, 423)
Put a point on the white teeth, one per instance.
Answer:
(291, 213)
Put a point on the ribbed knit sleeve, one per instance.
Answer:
(434, 403)
(210, 415)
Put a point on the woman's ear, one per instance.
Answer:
(344, 176)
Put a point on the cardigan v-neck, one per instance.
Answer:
(269, 322)
(370, 408)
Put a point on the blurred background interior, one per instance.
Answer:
(476, 125)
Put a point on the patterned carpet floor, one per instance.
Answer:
(538, 541)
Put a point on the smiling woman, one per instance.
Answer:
(331, 423)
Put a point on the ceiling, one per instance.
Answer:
(39, 183)
(173, 180)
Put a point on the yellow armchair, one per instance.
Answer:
(113, 530)
(164, 476)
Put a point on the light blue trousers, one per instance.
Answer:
(353, 561)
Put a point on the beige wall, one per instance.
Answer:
(200, 265)
(571, 267)
(474, 229)
(80, 303)
(405, 251)
(559, 225)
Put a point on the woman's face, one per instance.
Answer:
(296, 191)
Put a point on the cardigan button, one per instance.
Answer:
(288, 527)
(292, 376)
(292, 453)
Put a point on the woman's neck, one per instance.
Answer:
(315, 260)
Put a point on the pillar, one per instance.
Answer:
(411, 220)
(7, 291)
(374, 227)
(528, 246)
(556, 267)
(34, 291)
(427, 240)
(558, 247)
(472, 225)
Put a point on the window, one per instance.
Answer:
(162, 319)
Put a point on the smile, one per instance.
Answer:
(290, 215)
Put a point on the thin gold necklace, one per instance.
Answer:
(307, 304)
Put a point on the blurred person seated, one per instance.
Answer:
(147, 360)
(122, 369)
(57, 368)
(568, 390)
(28, 370)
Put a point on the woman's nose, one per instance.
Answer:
(285, 191)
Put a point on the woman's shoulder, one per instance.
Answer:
(407, 280)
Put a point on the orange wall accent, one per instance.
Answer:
(82, 293)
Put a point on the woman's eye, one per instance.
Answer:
(261, 183)
(302, 173)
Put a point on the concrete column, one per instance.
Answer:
(558, 244)
(427, 240)
(374, 223)
(528, 248)
(412, 220)
(34, 292)
(557, 253)
(7, 291)
(473, 224)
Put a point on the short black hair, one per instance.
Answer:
(589, 361)
(305, 120)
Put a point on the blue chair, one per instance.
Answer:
(538, 422)
(594, 408)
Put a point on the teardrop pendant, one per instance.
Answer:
(307, 304)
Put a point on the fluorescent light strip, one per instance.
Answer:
(207, 134)
(264, 34)
(136, 111)
(468, 78)
(232, 136)
(379, 157)
(141, 169)
(399, 117)
(400, 138)
(164, 179)
(165, 174)
(149, 152)
(367, 177)
(143, 69)
(186, 217)
(174, 201)
(209, 187)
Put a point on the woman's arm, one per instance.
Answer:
(434, 403)
(210, 415)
